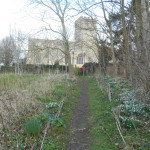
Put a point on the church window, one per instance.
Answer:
(79, 60)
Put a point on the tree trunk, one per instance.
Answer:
(146, 32)
(108, 22)
(67, 49)
(139, 26)
(126, 43)
(113, 52)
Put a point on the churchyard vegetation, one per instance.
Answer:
(29, 103)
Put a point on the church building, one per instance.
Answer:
(83, 49)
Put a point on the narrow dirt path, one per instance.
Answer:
(80, 125)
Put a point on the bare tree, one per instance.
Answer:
(60, 9)
(109, 24)
(8, 47)
(20, 40)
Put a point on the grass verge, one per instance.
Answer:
(103, 131)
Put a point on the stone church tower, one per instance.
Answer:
(85, 29)
(85, 41)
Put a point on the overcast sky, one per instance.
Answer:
(15, 14)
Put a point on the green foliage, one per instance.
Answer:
(32, 128)
(16, 141)
(7, 69)
(30, 68)
(52, 105)
(59, 92)
(129, 123)
(44, 99)
(43, 117)
(131, 106)
(115, 88)
(59, 123)
(50, 144)
(129, 102)
(49, 115)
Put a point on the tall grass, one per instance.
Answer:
(18, 97)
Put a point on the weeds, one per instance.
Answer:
(27, 107)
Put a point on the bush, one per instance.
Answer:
(7, 69)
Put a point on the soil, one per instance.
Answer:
(79, 127)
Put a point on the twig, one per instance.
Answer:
(119, 129)
(2, 120)
(48, 124)
(5, 105)
(115, 116)
(109, 92)
(5, 135)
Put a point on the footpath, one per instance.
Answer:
(79, 127)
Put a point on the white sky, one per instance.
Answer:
(14, 14)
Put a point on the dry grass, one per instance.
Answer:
(18, 96)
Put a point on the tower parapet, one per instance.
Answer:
(85, 29)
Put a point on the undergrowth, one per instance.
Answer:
(133, 114)
(28, 130)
